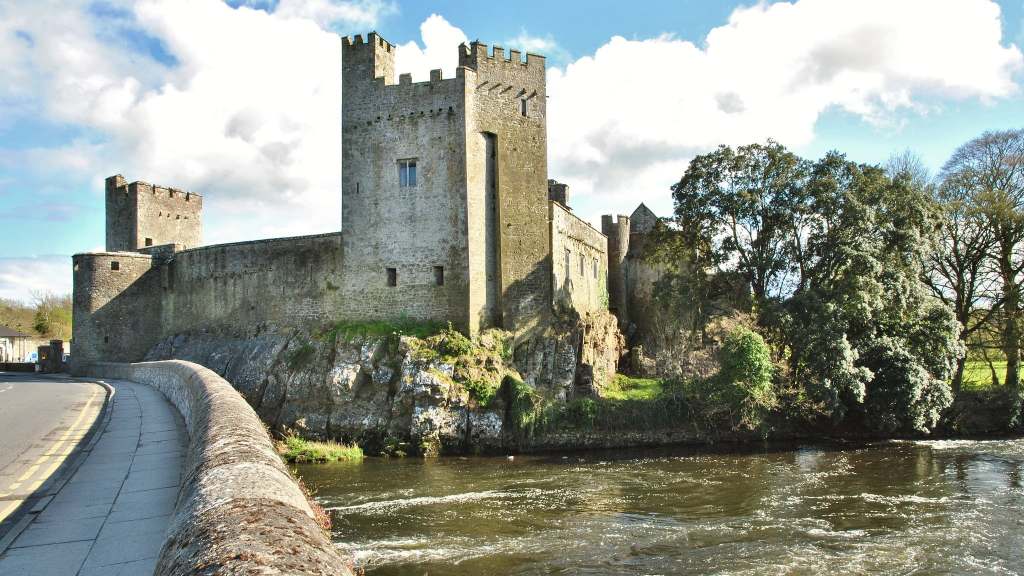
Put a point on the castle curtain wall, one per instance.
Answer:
(238, 288)
(579, 262)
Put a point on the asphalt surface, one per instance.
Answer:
(42, 420)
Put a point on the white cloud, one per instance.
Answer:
(331, 14)
(546, 46)
(248, 115)
(22, 278)
(439, 51)
(248, 112)
(623, 122)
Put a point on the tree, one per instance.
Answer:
(52, 316)
(865, 335)
(738, 205)
(832, 252)
(957, 268)
(989, 171)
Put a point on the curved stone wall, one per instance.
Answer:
(239, 510)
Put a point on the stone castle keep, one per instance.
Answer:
(447, 215)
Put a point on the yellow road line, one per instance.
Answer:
(55, 449)
(11, 507)
(58, 461)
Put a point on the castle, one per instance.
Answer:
(447, 215)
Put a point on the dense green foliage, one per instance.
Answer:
(833, 256)
(453, 343)
(744, 384)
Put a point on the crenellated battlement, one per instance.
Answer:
(118, 183)
(372, 39)
(140, 215)
(367, 62)
(477, 54)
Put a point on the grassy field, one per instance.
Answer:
(977, 374)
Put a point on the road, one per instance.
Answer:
(42, 420)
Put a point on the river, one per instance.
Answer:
(901, 507)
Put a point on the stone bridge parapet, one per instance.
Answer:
(239, 510)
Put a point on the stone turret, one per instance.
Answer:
(618, 246)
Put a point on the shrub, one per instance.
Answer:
(454, 344)
(743, 386)
(902, 395)
(580, 413)
(525, 406)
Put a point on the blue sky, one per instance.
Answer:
(239, 101)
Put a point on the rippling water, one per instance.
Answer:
(895, 508)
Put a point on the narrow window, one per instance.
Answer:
(407, 173)
(115, 265)
(582, 263)
(106, 339)
(522, 106)
(439, 275)
(392, 277)
(357, 187)
(149, 241)
(595, 267)
(170, 193)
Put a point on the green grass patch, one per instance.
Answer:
(300, 356)
(349, 331)
(483, 391)
(298, 450)
(642, 404)
(978, 375)
(624, 387)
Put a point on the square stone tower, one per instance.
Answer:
(444, 189)
(141, 214)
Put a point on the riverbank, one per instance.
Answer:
(415, 390)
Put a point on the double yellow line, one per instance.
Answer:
(57, 451)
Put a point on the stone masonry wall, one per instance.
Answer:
(141, 214)
(115, 307)
(580, 257)
(502, 86)
(167, 215)
(239, 510)
(236, 288)
(419, 231)
(618, 246)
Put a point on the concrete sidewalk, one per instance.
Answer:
(111, 516)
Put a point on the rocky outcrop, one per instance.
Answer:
(239, 510)
(574, 356)
(400, 393)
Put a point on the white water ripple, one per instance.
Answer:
(389, 505)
